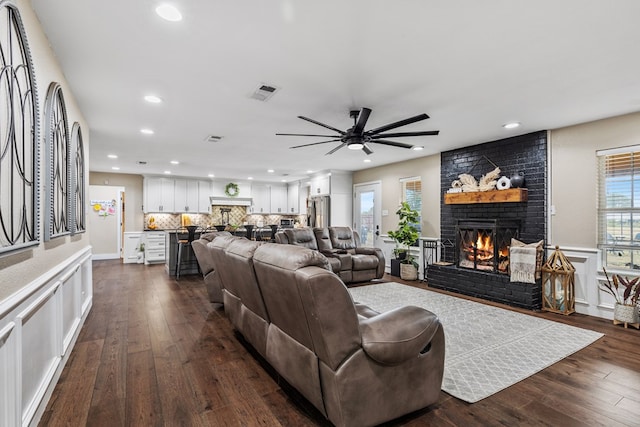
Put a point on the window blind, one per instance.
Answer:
(619, 209)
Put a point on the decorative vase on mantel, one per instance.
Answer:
(517, 180)
(627, 314)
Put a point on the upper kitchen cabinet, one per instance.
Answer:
(278, 199)
(320, 185)
(159, 194)
(186, 195)
(204, 196)
(293, 200)
(261, 195)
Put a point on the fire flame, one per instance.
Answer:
(484, 243)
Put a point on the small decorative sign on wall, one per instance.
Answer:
(104, 207)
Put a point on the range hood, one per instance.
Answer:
(230, 201)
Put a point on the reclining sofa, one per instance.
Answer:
(358, 367)
(340, 245)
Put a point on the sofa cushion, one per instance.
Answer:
(364, 262)
(323, 239)
(301, 237)
(342, 238)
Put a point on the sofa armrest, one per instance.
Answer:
(398, 335)
(379, 254)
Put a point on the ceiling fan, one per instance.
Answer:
(356, 138)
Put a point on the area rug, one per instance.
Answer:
(487, 348)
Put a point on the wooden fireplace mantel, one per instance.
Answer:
(496, 196)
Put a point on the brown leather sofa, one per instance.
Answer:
(356, 366)
(340, 245)
(207, 266)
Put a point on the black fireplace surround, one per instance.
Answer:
(525, 221)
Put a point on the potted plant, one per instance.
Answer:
(626, 293)
(404, 236)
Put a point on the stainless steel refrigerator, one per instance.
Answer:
(318, 214)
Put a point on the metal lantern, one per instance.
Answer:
(558, 284)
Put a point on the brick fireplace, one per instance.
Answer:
(479, 232)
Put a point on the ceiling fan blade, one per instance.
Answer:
(341, 132)
(403, 134)
(366, 149)
(392, 143)
(315, 143)
(306, 134)
(336, 149)
(397, 124)
(358, 129)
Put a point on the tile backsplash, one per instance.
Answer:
(237, 216)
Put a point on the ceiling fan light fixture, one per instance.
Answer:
(355, 146)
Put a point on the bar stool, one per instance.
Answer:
(182, 244)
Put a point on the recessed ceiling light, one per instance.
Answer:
(153, 99)
(146, 131)
(367, 160)
(250, 177)
(283, 180)
(211, 175)
(418, 148)
(511, 125)
(309, 171)
(115, 168)
(112, 156)
(167, 172)
(169, 12)
(174, 162)
(270, 170)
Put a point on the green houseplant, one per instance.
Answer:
(626, 293)
(404, 236)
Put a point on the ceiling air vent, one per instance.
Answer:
(264, 92)
(213, 138)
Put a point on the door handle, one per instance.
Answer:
(377, 230)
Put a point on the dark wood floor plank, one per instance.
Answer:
(155, 351)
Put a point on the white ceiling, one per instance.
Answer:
(471, 65)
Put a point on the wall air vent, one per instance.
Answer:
(264, 92)
(213, 138)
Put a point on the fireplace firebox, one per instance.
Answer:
(483, 244)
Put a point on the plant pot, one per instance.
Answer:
(408, 272)
(626, 313)
(401, 255)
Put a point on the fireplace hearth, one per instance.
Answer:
(483, 244)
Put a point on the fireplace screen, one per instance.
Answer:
(483, 244)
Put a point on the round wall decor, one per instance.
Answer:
(231, 189)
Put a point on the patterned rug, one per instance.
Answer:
(487, 348)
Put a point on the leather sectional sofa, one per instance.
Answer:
(340, 245)
(205, 261)
(358, 367)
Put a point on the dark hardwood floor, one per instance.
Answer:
(154, 351)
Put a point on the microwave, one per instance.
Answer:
(286, 222)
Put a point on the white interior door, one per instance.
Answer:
(367, 213)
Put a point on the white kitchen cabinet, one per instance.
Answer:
(278, 199)
(154, 247)
(320, 185)
(261, 195)
(293, 199)
(204, 196)
(186, 195)
(159, 195)
(130, 249)
(303, 195)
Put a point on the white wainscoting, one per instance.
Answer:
(589, 299)
(38, 328)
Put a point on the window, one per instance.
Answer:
(19, 133)
(412, 194)
(619, 208)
